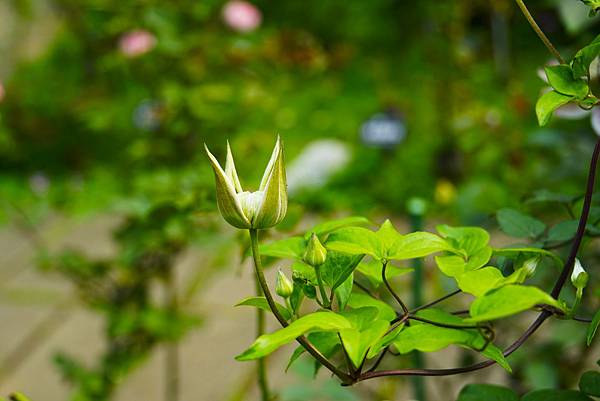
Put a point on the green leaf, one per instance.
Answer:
(430, 338)
(327, 343)
(507, 301)
(372, 270)
(327, 227)
(543, 195)
(555, 395)
(417, 245)
(387, 235)
(562, 80)
(289, 248)
(357, 343)
(548, 103)
(563, 231)
(584, 57)
(338, 267)
(304, 272)
(480, 281)
(470, 245)
(366, 329)
(361, 318)
(486, 392)
(454, 265)
(318, 321)
(261, 303)
(495, 354)
(358, 300)
(384, 341)
(589, 383)
(343, 292)
(527, 251)
(593, 327)
(476, 340)
(517, 224)
(470, 240)
(297, 295)
(355, 241)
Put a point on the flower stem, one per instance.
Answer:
(539, 31)
(324, 296)
(260, 276)
(261, 363)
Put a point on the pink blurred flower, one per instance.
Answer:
(2, 92)
(136, 43)
(241, 16)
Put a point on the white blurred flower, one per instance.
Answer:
(136, 43)
(241, 16)
(317, 163)
(39, 183)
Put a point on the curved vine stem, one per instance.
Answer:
(436, 301)
(343, 376)
(391, 290)
(545, 314)
(539, 31)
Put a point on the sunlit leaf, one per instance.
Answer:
(290, 248)
(417, 245)
(327, 227)
(584, 57)
(357, 343)
(562, 80)
(261, 303)
(343, 291)
(355, 241)
(358, 300)
(507, 301)
(318, 321)
(549, 102)
(372, 270)
(338, 267)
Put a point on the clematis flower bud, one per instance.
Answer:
(261, 209)
(530, 265)
(579, 277)
(315, 253)
(284, 286)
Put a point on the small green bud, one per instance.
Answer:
(530, 265)
(284, 286)
(579, 277)
(316, 253)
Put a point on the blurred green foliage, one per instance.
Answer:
(89, 118)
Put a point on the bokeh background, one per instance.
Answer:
(117, 278)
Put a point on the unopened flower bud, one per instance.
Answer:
(316, 253)
(530, 265)
(261, 209)
(284, 286)
(579, 277)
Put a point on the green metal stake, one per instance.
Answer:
(416, 209)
